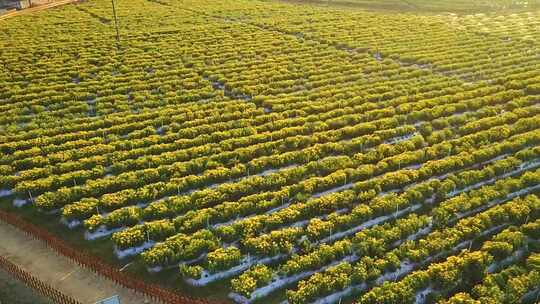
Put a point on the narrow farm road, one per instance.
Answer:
(36, 8)
(58, 271)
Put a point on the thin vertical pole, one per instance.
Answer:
(116, 25)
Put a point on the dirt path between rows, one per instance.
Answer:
(58, 271)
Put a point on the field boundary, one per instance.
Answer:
(36, 8)
(34, 283)
(153, 291)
